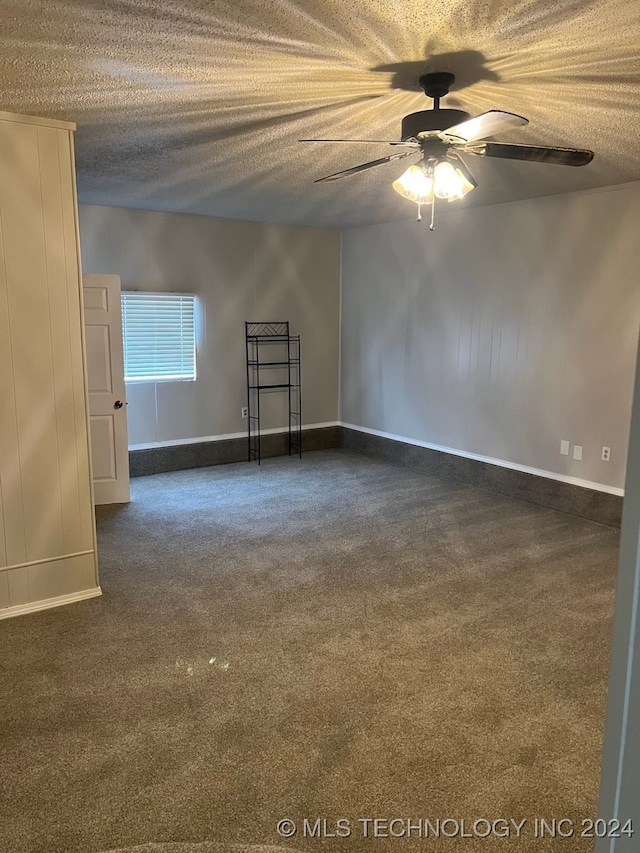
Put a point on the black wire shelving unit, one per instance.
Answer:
(273, 365)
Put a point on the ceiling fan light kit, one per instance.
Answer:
(439, 135)
(435, 178)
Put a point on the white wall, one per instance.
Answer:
(621, 754)
(507, 329)
(241, 271)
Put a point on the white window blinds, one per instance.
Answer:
(159, 336)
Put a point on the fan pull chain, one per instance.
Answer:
(432, 227)
(419, 217)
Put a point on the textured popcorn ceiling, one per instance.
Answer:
(198, 105)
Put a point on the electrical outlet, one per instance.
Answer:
(577, 452)
(606, 454)
(244, 411)
(564, 448)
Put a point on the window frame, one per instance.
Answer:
(159, 376)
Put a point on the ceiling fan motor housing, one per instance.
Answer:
(427, 121)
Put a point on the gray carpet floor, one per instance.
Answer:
(335, 637)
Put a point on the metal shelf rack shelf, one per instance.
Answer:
(266, 376)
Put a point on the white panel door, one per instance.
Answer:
(107, 403)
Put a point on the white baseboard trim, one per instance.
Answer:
(502, 463)
(176, 442)
(47, 603)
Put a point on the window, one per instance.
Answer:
(158, 331)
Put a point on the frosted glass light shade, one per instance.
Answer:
(450, 182)
(416, 184)
(447, 178)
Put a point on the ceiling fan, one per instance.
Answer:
(440, 136)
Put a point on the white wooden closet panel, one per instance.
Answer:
(47, 529)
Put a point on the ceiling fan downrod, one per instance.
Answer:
(436, 85)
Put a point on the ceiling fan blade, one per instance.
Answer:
(558, 156)
(406, 143)
(486, 124)
(363, 166)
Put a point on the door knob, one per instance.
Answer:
(118, 404)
